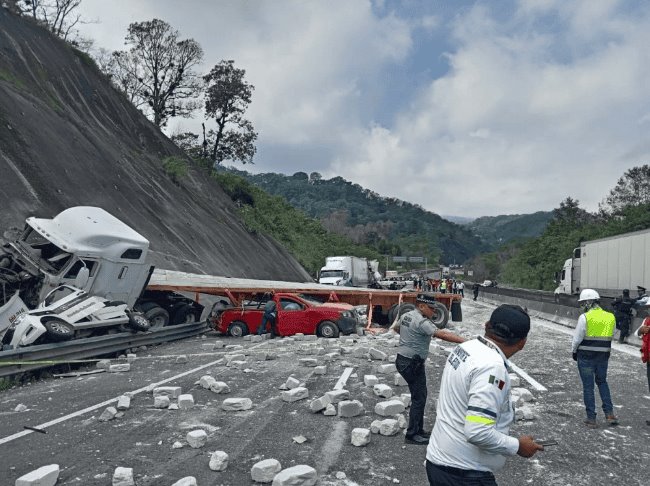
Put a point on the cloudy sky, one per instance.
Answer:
(468, 108)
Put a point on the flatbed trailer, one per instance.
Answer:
(237, 290)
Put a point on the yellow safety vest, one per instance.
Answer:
(599, 332)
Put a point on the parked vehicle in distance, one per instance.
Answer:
(349, 271)
(295, 314)
(67, 313)
(489, 283)
(607, 265)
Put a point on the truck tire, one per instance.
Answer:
(158, 317)
(328, 329)
(441, 317)
(238, 329)
(58, 330)
(139, 322)
(456, 312)
(184, 315)
(394, 313)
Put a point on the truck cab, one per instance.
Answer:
(568, 279)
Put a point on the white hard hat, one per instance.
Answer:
(588, 294)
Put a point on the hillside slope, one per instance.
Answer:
(68, 138)
(497, 230)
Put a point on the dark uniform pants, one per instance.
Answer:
(412, 370)
(451, 476)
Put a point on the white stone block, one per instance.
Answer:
(161, 401)
(124, 402)
(235, 404)
(292, 383)
(406, 399)
(370, 380)
(182, 359)
(103, 364)
(302, 475)
(295, 394)
(360, 437)
(206, 381)
(320, 370)
(170, 391)
(350, 408)
(389, 427)
(389, 407)
(219, 461)
(523, 395)
(330, 410)
(375, 426)
(514, 380)
(375, 353)
(264, 471)
(186, 401)
(21, 407)
(401, 421)
(123, 476)
(197, 438)
(319, 404)
(131, 357)
(43, 476)
(386, 368)
(186, 481)
(336, 396)
(382, 390)
(219, 387)
(119, 368)
(108, 414)
(399, 380)
(308, 362)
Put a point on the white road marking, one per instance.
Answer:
(534, 383)
(343, 379)
(104, 403)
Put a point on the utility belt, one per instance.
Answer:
(463, 473)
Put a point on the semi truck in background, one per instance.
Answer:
(349, 271)
(89, 249)
(607, 265)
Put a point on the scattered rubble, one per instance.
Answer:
(370, 380)
(196, 438)
(389, 407)
(264, 471)
(108, 414)
(186, 401)
(186, 481)
(20, 407)
(360, 437)
(302, 475)
(123, 476)
(236, 404)
(119, 368)
(295, 394)
(219, 461)
(43, 476)
(124, 402)
(161, 401)
(169, 391)
(389, 427)
(382, 390)
(350, 408)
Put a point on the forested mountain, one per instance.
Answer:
(497, 230)
(388, 225)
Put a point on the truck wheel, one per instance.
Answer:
(58, 330)
(394, 313)
(441, 315)
(328, 329)
(238, 329)
(158, 317)
(138, 322)
(184, 315)
(456, 311)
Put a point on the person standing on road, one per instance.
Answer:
(461, 289)
(415, 332)
(475, 288)
(443, 286)
(591, 347)
(270, 316)
(470, 439)
(643, 332)
(623, 312)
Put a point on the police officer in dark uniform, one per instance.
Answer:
(623, 313)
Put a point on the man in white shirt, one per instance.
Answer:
(470, 440)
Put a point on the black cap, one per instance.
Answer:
(510, 322)
(640, 289)
(427, 299)
(626, 291)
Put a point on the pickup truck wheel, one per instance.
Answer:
(440, 316)
(184, 315)
(238, 329)
(138, 322)
(328, 329)
(58, 330)
(158, 317)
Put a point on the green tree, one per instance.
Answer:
(156, 73)
(227, 97)
(632, 189)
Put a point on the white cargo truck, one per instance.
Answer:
(92, 250)
(349, 271)
(608, 265)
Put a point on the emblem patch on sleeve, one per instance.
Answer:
(495, 381)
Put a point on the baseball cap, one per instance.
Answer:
(427, 299)
(510, 322)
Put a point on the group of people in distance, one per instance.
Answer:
(470, 439)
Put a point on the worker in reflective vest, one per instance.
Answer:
(592, 344)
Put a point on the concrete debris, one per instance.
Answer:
(308, 362)
(173, 406)
(298, 337)
(377, 354)
(389, 427)
(206, 381)
(347, 364)
(360, 352)
(234, 357)
(20, 407)
(177, 445)
(185, 401)
(389, 408)
(196, 438)
(523, 395)
(401, 421)
(406, 399)
(161, 401)
(375, 426)
(186, 481)
(219, 387)
(320, 370)
(320, 403)
(310, 337)
(292, 383)
(399, 380)
(234, 347)
(207, 346)
(524, 413)
(108, 414)
(299, 439)
(360, 437)
(514, 380)
(350, 408)
(43, 476)
(235, 404)
(264, 471)
(123, 476)
(336, 396)
(256, 339)
(131, 357)
(260, 356)
(103, 364)
(295, 394)
(219, 345)
(119, 368)
(386, 368)
(392, 358)
(124, 402)
(341, 475)
(170, 391)
(330, 410)
(382, 390)
(370, 380)
(248, 337)
(301, 475)
(219, 461)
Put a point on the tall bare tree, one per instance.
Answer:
(156, 73)
(60, 16)
(226, 100)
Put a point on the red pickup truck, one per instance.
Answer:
(295, 314)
